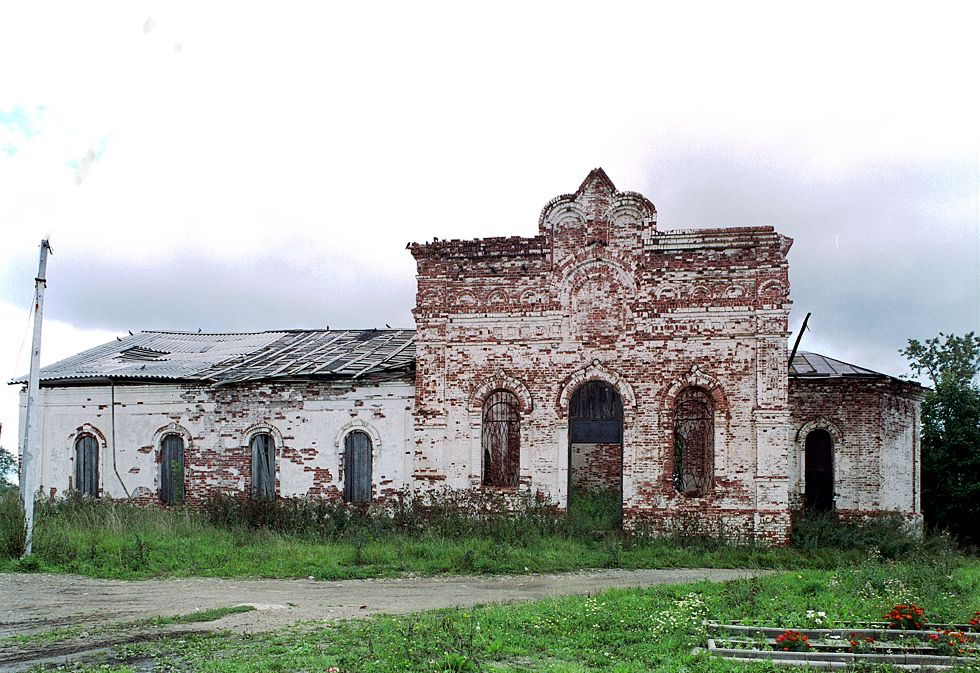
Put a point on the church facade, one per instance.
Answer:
(602, 354)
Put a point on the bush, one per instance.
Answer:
(13, 532)
(889, 534)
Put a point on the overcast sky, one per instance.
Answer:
(224, 166)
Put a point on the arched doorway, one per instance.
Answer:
(819, 471)
(595, 454)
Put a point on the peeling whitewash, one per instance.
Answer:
(308, 422)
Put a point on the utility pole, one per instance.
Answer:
(31, 473)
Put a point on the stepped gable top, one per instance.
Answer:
(596, 198)
(232, 358)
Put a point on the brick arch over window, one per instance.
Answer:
(594, 371)
(820, 423)
(501, 380)
(696, 378)
(88, 429)
(358, 424)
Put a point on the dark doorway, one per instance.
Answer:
(357, 467)
(172, 469)
(87, 466)
(819, 472)
(595, 455)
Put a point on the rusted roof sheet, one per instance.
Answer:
(231, 358)
(814, 365)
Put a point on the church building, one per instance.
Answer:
(602, 354)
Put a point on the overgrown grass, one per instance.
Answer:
(12, 532)
(619, 631)
(461, 534)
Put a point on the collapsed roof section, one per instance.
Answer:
(221, 359)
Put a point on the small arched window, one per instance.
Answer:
(501, 439)
(694, 442)
(172, 469)
(358, 472)
(263, 466)
(87, 466)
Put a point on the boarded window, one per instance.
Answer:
(87, 466)
(172, 469)
(263, 466)
(357, 467)
(694, 442)
(819, 472)
(595, 413)
(501, 439)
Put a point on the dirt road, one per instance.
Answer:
(34, 604)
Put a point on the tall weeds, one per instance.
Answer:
(12, 531)
(448, 513)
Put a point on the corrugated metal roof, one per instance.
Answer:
(222, 359)
(807, 364)
(231, 358)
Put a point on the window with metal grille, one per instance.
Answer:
(596, 414)
(263, 466)
(501, 439)
(357, 467)
(694, 442)
(87, 466)
(172, 469)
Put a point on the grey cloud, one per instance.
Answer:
(881, 254)
(268, 290)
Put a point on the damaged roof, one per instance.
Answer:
(814, 365)
(221, 359)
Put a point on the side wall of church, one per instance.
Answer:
(600, 294)
(307, 421)
(874, 427)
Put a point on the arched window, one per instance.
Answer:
(172, 469)
(357, 467)
(263, 466)
(819, 471)
(87, 466)
(694, 442)
(501, 439)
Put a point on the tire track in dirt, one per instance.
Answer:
(33, 604)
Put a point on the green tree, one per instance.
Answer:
(8, 468)
(950, 432)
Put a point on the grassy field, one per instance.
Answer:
(618, 631)
(114, 540)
